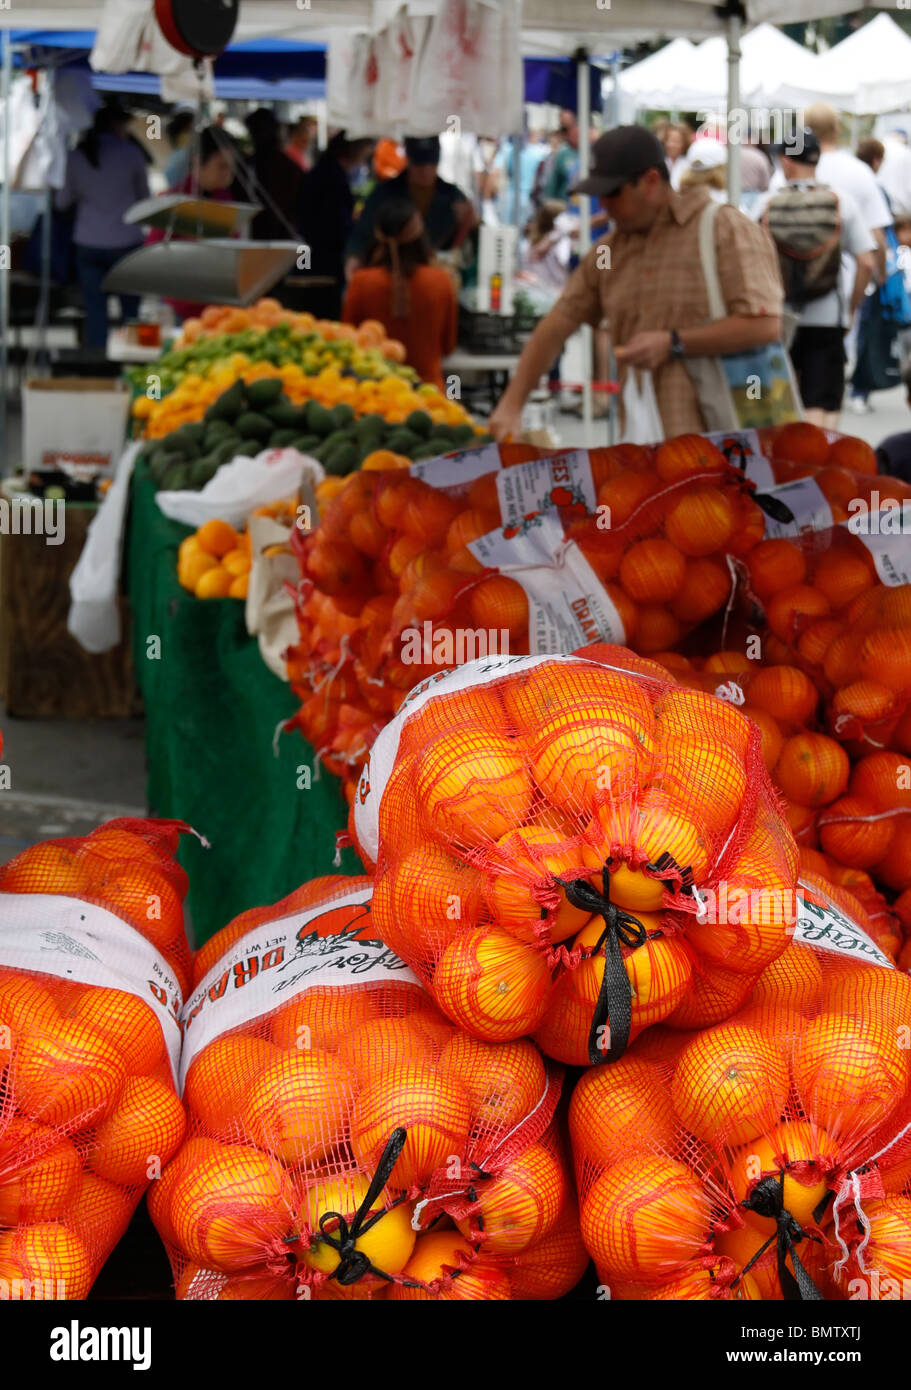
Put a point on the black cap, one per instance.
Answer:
(422, 149)
(620, 157)
(801, 145)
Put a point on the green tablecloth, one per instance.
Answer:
(212, 707)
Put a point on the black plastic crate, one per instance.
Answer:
(486, 333)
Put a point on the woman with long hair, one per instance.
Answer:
(105, 175)
(400, 286)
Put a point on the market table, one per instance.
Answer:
(212, 709)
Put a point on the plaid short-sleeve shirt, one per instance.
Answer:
(653, 280)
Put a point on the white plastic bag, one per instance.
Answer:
(94, 616)
(242, 485)
(641, 416)
(119, 35)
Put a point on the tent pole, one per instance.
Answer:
(5, 239)
(583, 111)
(734, 28)
(516, 189)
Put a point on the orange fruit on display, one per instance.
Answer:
(659, 972)
(702, 771)
(652, 570)
(705, 588)
(551, 1266)
(473, 786)
(99, 1209)
(433, 1109)
(849, 1073)
(793, 979)
(575, 751)
(525, 863)
(841, 574)
(25, 1003)
(854, 454)
(388, 1042)
(815, 640)
(68, 1077)
(885, 657)
(800, 442)
(621, 1109)
(126, 1021)
(761, 1282)
(439, 1252)
(791, 610)
(387, 1243)
(159, 1193)
(48, 1257)
(499, 603)
(217, 538)
(144, 1128)
(625, 492)
(40, 1172)
(230, 1205)
(220, 1077)
(491, 984)
(730, 1083)
(775, 565)
(714, 995)
(701, 522)
(688, 454)
(504, 1081)
(888, 1246)
(863, 700)
(851, 832)
(194, 566)
(469, 525)
(644, 1219)
(215, 583)
(812, 769)
(803, 1152)
(656, 628)
(564, 1031)
(298, 1107)
(785, 693)
(881, 780)
(429, 889)
(894, 869)
(520, 1204)
(749, 527)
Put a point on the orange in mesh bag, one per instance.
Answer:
(344, 1140)
(725, 1162)
(550, 836)
(93, 962)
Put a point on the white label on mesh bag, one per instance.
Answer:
(462, 466)
(567, 601)
(381, 759)
(55, 935)
(822, 924)
(557, 481)
(805, 499)
(280, 960)
(891, 555)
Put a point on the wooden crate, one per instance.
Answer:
(44, 673)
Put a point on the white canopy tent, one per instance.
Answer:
(655, 81)
(873, 65)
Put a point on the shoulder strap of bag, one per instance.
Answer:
(709, 257)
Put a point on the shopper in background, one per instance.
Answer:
(705, 166)
(402, 288)
(180, 136)
(447, 214)
(894, 173)
(326, 218)
(301, 139)
(677, 139)
(279, 180)
(105, 175)
(565, 168)
(755, 174)
(812, 226)
(650, 290)
(845, 173)
(210, 176)
(532, 154)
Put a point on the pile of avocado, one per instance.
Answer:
(257, 415)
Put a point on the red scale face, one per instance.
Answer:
(199, 28)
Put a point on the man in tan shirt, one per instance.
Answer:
(645, 280)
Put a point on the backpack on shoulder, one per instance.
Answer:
(805, 225)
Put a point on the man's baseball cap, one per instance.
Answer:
(423, 149)
(802, 145)
(619, 157)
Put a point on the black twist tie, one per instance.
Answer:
(773, 507)
(615, 998)
(767, 1199)
(735, 454)
(353, 1263)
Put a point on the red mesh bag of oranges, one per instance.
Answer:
(545, 831)
(91, 983)
(724, 1162)
(344, 1140)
